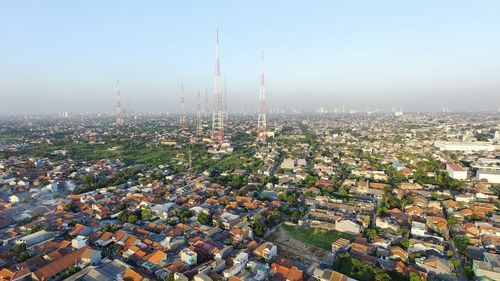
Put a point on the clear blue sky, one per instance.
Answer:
(418, 55)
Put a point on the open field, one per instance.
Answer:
(302, 245)
(321, 238)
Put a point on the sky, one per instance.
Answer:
(416, 55)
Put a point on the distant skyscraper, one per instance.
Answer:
(261, 121)
(206, 102)
(199, 119)
(119, 117)
(217, 133)
(183, 121)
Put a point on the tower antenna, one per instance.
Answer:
(119, 117)
(217, 133)
(261, 121)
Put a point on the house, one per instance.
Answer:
(437, 268)
(284, 271)
(227, 220)
(329, 275)
(81, 230)
(188, 256)
(360, 248)
(288, 164)
(55, 269)
(35, 239)
(455, 171)
(8, 275)
(397, 252)
(418, 229)
(266, 250)
(347, 226)
(488, 268)
(341, 245)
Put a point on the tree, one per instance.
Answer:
(71, 270)
(404, 243)
(169, 277)
(294, 217)
(204, 219)
(461, 243)
(370, 233)
(414, 277)
(18, 248)
(259, 228)
(132, 218)
(146, 214)
(110, 227)
(23, 256)
(452, 220)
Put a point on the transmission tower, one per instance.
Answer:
(119, 115)
(261, 122)
(217, 133)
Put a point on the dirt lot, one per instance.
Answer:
(302, 254)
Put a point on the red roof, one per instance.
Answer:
(456, 167)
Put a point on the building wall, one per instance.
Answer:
(491, 178)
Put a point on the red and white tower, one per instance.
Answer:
(183, 121)
(261, 122)
(119, 115)
(217, 133)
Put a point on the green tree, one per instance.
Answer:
(146, 214)
(204, 219)
(23, 256)
(461, 243)
(404, 243)
(452, 220)
(18, 248)
(259, 228)
(414, 277)
(169, 277)
(132, 218)
(71, 270)
(110, 227)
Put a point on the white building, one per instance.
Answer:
(464, 146)
(347, 226)
(288, 164)
(189, 257)
(456, 171)
(492, 176)
(418, 229)
(79, 242)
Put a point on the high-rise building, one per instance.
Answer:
(183, 120)
(199, 120)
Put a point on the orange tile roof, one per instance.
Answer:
(131, 275)
(156, 257)
(59, 265)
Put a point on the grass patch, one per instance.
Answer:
(318, 237)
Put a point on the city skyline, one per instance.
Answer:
(67, 57)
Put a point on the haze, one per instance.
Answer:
(415, 55)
